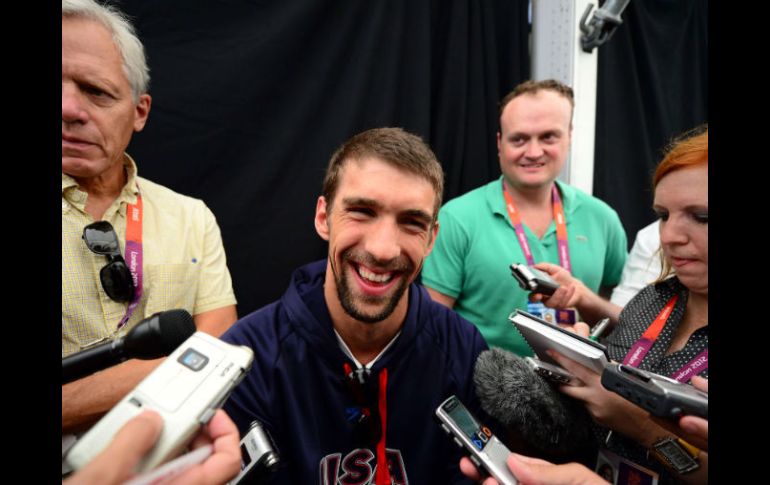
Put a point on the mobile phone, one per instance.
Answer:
(259, 455)
(185, 389)
(533, 280)
(552, 372)
(486, 451)
(659, 395)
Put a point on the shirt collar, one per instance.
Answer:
(129, 192)
(358, 364)
(131, 189)
(496, 200)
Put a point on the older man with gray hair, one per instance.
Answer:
(166, 247)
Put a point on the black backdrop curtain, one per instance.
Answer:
(250, 99)
(652, 85)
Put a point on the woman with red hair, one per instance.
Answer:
(663, 329)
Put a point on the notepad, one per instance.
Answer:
(542, 336)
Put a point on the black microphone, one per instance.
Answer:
(529, 407)
(151, 338)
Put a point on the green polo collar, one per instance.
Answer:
(496, 200)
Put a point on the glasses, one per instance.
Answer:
(365, 418)
(116, 278)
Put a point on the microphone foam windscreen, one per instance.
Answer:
(176, 326)
(527, 405)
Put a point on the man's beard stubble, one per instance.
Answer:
(348, 300)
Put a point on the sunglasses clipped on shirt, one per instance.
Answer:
(100, 238)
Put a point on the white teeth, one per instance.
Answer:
(377, 278)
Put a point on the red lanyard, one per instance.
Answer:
(559, 219)
(134, 214)
(635, 356)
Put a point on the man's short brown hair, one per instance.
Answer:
(394, 146)
(532, 87)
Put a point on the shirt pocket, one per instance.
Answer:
(170, 286)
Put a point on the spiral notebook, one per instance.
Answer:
(542, 336)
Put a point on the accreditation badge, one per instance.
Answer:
(566, 315)
(541, 311)
(619, 471)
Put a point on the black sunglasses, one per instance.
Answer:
(364, 417)
(116, 278)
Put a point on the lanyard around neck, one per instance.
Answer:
(642, 346)
(559, 219)
(134, 214)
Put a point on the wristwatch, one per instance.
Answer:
(676, 453)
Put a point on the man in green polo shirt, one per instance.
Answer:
(517, 219)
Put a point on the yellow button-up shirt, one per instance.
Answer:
(184, 263)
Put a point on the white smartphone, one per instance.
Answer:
(486, 451)
(552, 372)
(186, 390)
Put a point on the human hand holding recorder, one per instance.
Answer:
(572, 293)
(186, 390)
(532, 279)
(534, 471)
(117, 462)
(694, 429)
(697, 429)
(661, 396)
(622, 416)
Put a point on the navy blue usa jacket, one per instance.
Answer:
(298, 388)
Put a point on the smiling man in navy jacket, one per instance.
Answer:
(351, 363)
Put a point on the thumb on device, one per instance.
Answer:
(116, 463)
(534, 471)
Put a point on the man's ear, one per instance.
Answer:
(142, 111)
(322, 218)
(434, 234)
(498, 143)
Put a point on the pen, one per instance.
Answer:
(598, 329)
